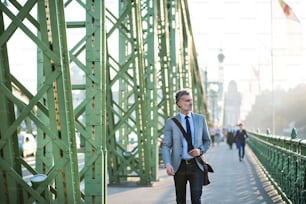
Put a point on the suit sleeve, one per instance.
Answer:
(205, 137)
(167, 143)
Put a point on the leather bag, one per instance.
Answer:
(207, 167)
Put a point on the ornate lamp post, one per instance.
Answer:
(221, 90)
(214, 91)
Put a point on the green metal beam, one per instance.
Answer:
(88, 67)
(62, 168)
(9, 161)
(149, 28)
(174, 69)
(184, 71)
(200, 105)
(95, 145)
(56, 157)
(128, 141)
(165, 94)
(118, 104)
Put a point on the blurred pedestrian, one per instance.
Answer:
(213, 134)
(219, 135)
(240, 139)
(230, 138)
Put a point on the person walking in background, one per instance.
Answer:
(230, 138)
(219, 135)
(181, 162)
(240, 139)
(213, 134)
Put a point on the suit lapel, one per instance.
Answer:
(178, 117)
(195, 130)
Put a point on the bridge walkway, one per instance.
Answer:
(233, 182)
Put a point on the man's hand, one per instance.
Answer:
(169, 170)
(195, 152)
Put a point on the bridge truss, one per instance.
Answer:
(130, 58)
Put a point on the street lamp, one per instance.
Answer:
(221, 56)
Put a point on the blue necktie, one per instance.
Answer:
(188, 133)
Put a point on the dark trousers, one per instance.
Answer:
(188, 172)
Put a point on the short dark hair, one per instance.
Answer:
(179, 95)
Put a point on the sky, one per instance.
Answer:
(241, 28)
(249, 39)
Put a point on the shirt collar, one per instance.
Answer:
(183, 116)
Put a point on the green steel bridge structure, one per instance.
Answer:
(283, 160)
(131, 57)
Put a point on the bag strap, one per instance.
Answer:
(179, 125)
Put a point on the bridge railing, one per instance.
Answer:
(284, 161)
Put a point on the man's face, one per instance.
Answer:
(185, 103)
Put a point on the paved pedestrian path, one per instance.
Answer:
(234, 182)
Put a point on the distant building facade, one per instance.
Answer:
(232, 103)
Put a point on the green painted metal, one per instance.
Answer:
(10, 166)
(184, 71)
(174, 69)
(44, 155)
(88, 67)
(131, 72)
(53, 100)
(129, 149)
(165, 96)
(284, 161)
(196, 83)
(62, 171)
(126, 75)
(95, 146)
(149, 28)
(132, 56)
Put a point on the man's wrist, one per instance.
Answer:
(201, 152)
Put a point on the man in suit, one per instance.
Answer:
(181, 162)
